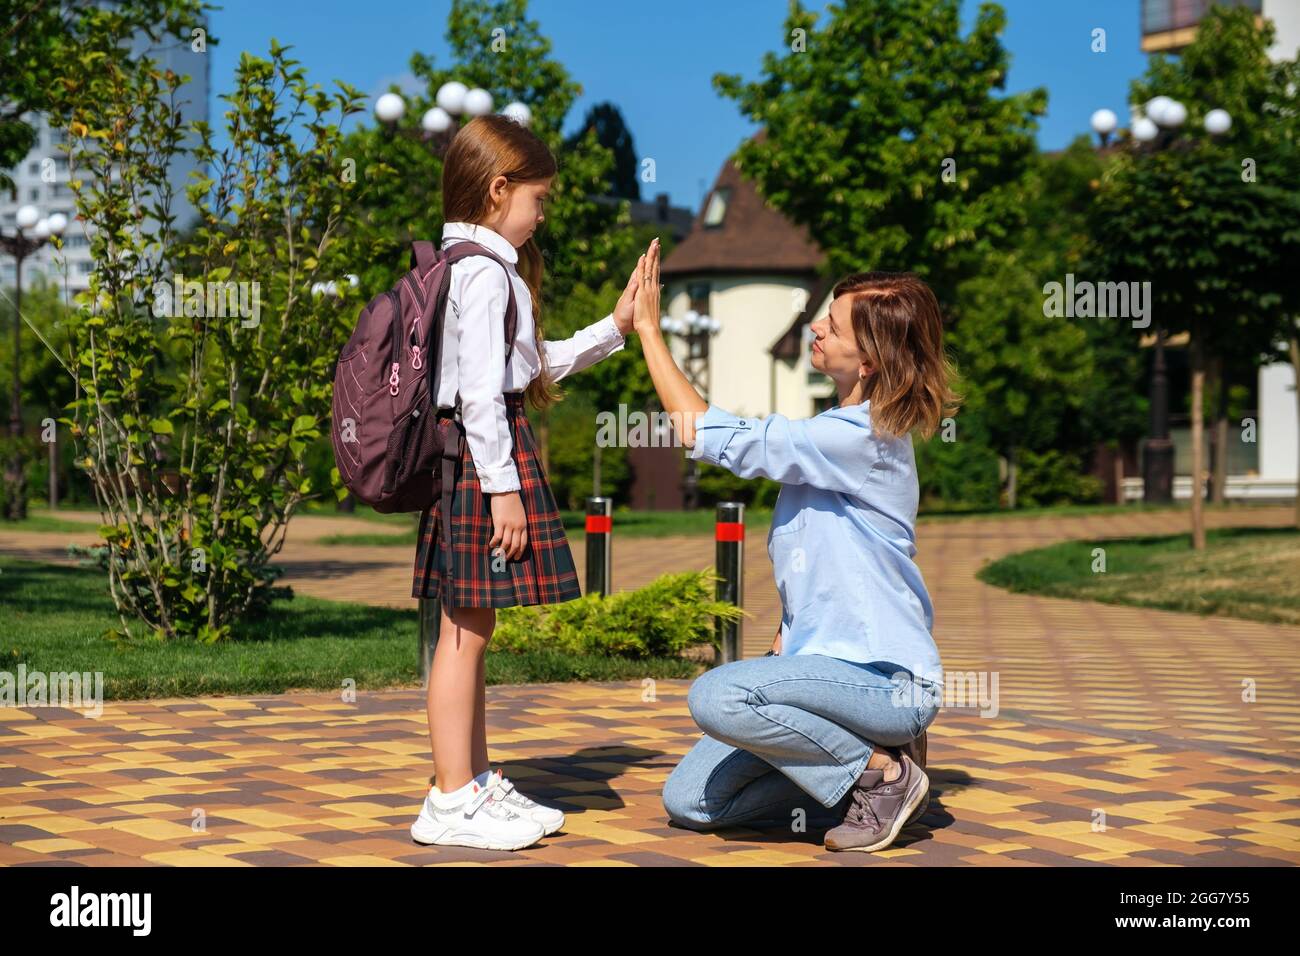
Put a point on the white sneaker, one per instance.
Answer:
(551, 818)
(482, 820)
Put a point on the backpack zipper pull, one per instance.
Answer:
(394, 380)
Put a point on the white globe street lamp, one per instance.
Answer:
(390, 107)
(1155, 108)
(58, 223)
(1144, 130)
(1217, 122)
(519, 112)
(478, 102)
(438, 124)
(451, 97)
(1173, 115)
(27, 216)
(1104, 122)
(436, 120)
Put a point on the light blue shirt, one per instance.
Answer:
(842, 538)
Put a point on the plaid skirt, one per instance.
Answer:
(544, 574)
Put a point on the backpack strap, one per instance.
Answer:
(452, 451)
(424, 256)
(468, 247)
(462, 250)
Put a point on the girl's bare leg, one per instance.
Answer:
(455, 695)
(479, 753)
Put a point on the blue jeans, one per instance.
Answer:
(784, 733)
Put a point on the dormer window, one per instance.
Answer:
(717, 209)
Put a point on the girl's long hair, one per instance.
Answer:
(487, 147)
(899, 330)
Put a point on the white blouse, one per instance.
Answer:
(473, 353)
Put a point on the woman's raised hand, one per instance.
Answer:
(646, 304)
(624, 309)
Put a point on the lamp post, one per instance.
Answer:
(696, 330)
(1150, 129)
(439, 124)
(33, 232)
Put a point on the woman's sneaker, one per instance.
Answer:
(482, 819)
(550, 818)
(877, 810)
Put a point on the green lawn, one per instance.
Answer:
(1251, 573)
(1050, 511)
(52, 619)
(45, 521)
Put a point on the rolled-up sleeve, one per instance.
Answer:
(834, 452)
(584, 348)
(484, 292)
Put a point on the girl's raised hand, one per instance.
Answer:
(623, 311)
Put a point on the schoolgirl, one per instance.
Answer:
(508, 545)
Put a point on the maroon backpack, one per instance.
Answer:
(393, 447)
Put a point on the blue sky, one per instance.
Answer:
(655, 60)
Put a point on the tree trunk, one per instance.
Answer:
(1118, 465)
(1219, 485)
(1011, 479)
(1198, 445)
(54, 471)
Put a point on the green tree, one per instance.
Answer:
(199, 392)
(1211, 222)
(612, 133)
(1023, 372)
(36, 41)
(885, 133)
(1111, 408)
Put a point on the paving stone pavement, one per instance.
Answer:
(1119, 737)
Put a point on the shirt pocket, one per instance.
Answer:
(787, 548)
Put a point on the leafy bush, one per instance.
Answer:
(192, 419)
(1054, 477)
(674, 612)
(716, 483)
(958, 475)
